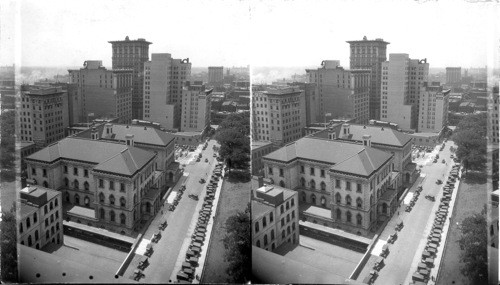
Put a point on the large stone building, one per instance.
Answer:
(215, 75)
(103, 93)
(260, 149)
(348, 183)
(41, 217)
(339, 93)
(195, 114)
(104, 184)
(43, 115)
(164, 78)
(132, 54)
(278, 115)
(275, 217)
(433, 109)
(369, 54)
(402, 82)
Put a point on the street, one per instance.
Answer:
(165, 252)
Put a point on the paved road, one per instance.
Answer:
(399, 261)
(162, 262)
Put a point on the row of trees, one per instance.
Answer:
(470, 137)
(233, 135)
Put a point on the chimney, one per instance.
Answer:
(130, 139)
(367, 140)
(331, 134)
(109, 129)
(346, 129)
(94, 134)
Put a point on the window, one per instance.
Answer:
(111, 199)
(44, 171)
(337, 183)
(281, 172)
(75, 171)
(312, 171)
(348, 185)
(348, 200)
(258, 243)
(348, 216)
(323, 186)
(86, 185)
(123, 218)
(270, 170)
(302, 182)
(265, 240)
(313, 184)
(86, 173)
(101, 183)
(36, 235)
(359, 202)
(359, 219)
(272, 234)
(21, 227)
(282, 183)
(122, 187)
(288, 218)
(35, 218)
(358, 188)
(122, 202)
(302, 169)
(33, 171)
(28, 223)
(66, 169)
(282, 222)
(282, 209)
(283, 234)
(101, 197)
(103, 213)
(111, 185)
(112, 215)
(76, 185)
(45, 210)
(293, 202)
(271, 217)
(287, 205)
(322, 174)
(257, 227)
(66, 182)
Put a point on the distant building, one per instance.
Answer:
(43, 115)
(402, 82)
(41, 217)
(346, 185)
(275, 217)
(278, 115)
(102, 92)
(132, 54)
(340, 93)
(493, 134)
(433, 109)
(260, 149)
(195, 115)
(104, 184)
(453, 76)
(370, 54)
(163, 83)
(215, 75)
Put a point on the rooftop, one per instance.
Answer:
(258, 144)
(378, 134)
(260, 209)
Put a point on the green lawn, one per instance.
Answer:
(234, 197)
(472, 195)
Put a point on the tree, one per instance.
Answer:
(233, 136)
(238, 246)
(9, 245)
(474, 245)
(470, 137)
(7, 146)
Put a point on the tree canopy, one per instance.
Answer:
(9, 245)
(474, 245)
(238, 246)
(8, 146)
(470, 137)
(233, 136)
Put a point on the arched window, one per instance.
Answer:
(264, 222)
(45, 184)
(282, 208)
(101, 197)
(55, 202)
(348, 200)
(302, 181)
(292, 202)
(258, 243)
(323, 186)
(257, 227)
(338, 198)
(123, 218)
(293, 226)
(112, 215)
(313, 199)
(304, 196)
(339, 214)
(86, 201)
(36, 235)
(348, 216)
(35, 182)
(35, 218)
(265, 240)
(76, 184)
(28, 223)
(282, 184)
(323, 201)
(52, 230)
(51, 206)
(287, 205)
(313, 184)
(359, 219)
(283, 234)
(272, 234)
(77, 199)
(30, 242)
(47, 234)
(288, 231)
(123, 202)
(103, 213)
(86, 185)
(359, 202)
(57, 226)
(111, 199)
(66, 181)
(271, 217)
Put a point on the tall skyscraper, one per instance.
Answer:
(453, 75)
(433, 110)
(215, 74)
(195, 115)
(402, 82)
(340, 93)
(369, 54)
(163, 82)
(279, 115)
(103, 93)
(132, 54)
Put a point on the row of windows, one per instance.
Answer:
(272, 236)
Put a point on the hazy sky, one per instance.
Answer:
(260, 33)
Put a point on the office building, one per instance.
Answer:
(41, 217)
(433, 110)
(370, 54)
(345, 185)
(163, 82)
(339, 93)
(275, 217)
(43, 115)
(132, 54)
(104, 184)
(103, 93)
(260, 149)
(278, 115)
(453, 76)
(215, 75)
(196, 107)
(402, 82)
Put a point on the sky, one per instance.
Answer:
(252, 32)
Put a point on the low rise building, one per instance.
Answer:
(260, 149)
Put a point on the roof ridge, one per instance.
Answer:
(113, 156)
(132, 157)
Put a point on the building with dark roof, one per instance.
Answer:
(275, 217)
(40, 218)
(352, 181)
(104, 184)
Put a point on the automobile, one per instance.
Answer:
(206, 159)
(202, 181)
(439, 182)
(443, 161)
(198, 160)
(193, 196)
(163, 225)
(215, 155)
